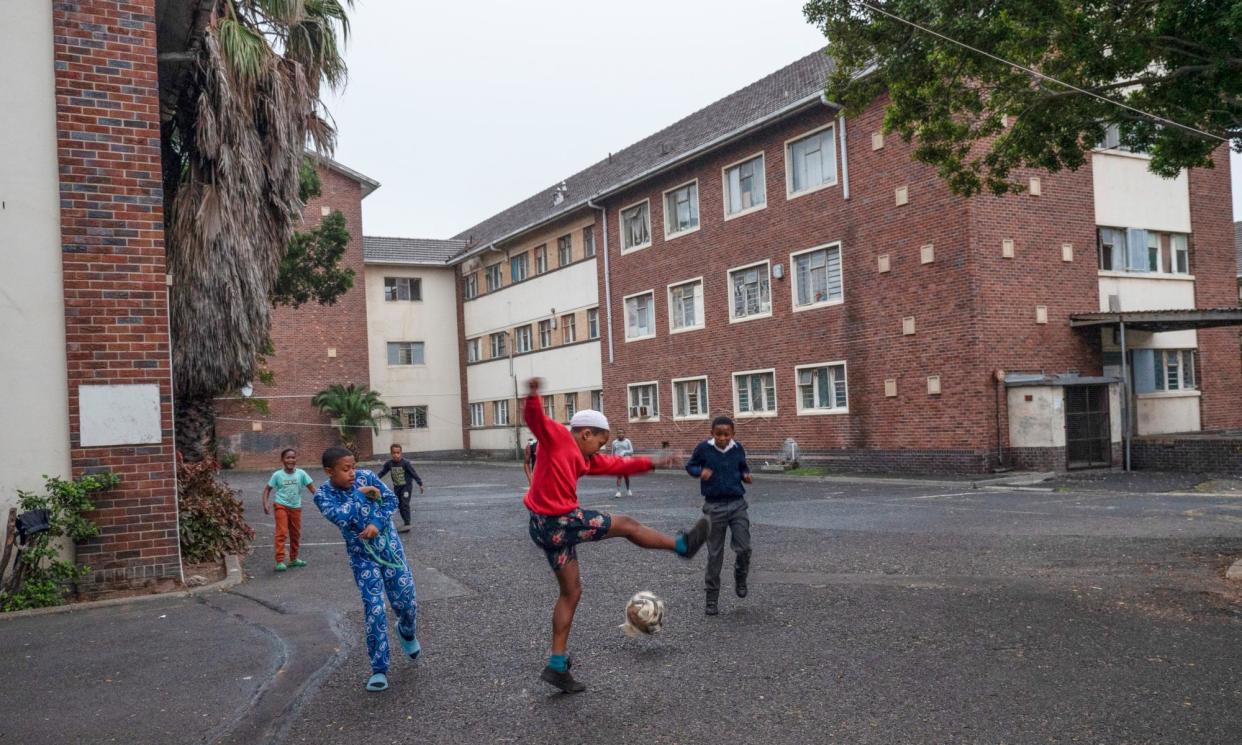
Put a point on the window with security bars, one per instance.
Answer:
(635, 227)
(402, 288)
(812, 161)
(1165, 370)
(681, 209)
(545, 334)
(500, 413)
(822, 388)
(405, 353)
(638, 316)
(410, 417)
(744, 187)
(685, 305)
(756, 392)
(817, 276)
(593, 323)
(564, 251)
(476, 415)
(493, 277)
(644, 404)
(752, 291)
(690, 398)
(588, 242)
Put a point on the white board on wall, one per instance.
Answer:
(119, 415)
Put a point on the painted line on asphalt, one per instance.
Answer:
(934, 496)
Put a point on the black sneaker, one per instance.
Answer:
(712, 608)
(696, 537)
(739, 586)
(562, 680)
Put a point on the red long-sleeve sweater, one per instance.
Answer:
(559, 465)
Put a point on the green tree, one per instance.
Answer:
(352, 407)
(234, 156)
(1177, 59)
(311, 267)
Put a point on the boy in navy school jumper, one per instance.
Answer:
(720, 465)
(402, 474)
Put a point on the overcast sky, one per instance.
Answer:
(462, 109)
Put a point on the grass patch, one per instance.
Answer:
(807, 471)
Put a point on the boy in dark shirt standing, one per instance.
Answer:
(403, 474)
(719, 463)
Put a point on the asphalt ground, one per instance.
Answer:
(878, 613)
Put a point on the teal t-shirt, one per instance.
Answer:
(287, 487)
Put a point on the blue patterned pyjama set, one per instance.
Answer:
(351, 511)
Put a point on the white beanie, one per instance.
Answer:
(589, 418)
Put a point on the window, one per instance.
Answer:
(564, 251)
(1181, 254)
(476, 415)
(523, 339)
(593, 323)
(500, 413)
(569, 329)
(493, 277)
(549, 407)
(744, 187)
(541, 259)
(690, 398)
(473, 351)
(752, 292)
(1112, 247)
(817, 277)
(498, 345)
(571, 405)
(545, 334)
(405, 353)
(681, 209)
(402, 288)
(685, 306)
(597, 400)
(410, 417)
(821, 388)
(588, 242)
(470, 285)
(1112, 140)
(811, 162)
(755, 392)
(638, 316)
(519, 267)
(636, 227)
(1164, 370)
(644, 401)
(1139, 250)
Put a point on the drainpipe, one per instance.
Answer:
(1125, 395)
(845, 157)
(607, 278)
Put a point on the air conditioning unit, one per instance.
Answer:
(643, 411)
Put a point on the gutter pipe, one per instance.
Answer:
(607, 277)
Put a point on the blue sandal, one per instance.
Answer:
(410, 646)
(377, 682)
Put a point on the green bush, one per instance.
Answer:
(40, 578)
(212, 520)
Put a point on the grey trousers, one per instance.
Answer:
(730, 516)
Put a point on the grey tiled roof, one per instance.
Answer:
(1237, 241)
(382, 250)
(765, 97)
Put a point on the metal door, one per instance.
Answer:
(1088, 428)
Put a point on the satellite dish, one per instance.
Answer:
(247, 390)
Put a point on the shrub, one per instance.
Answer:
(212, 517)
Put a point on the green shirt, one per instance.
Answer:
(287, 487)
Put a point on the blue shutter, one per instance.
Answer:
(1144, 370)
(1136, 250)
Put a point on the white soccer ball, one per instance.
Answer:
(644, 614)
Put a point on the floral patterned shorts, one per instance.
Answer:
(558, 535)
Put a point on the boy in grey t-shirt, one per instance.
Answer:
(623, 448)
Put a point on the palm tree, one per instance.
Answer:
(232, 152)
(352, 407)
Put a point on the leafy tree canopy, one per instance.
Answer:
(1180, 60)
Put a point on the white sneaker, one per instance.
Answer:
(617, 495)
(629, 493)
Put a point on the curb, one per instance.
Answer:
(233, 577)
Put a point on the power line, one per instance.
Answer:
(1039, 74)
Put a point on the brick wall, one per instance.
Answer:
(303, 338)
(116, 310)
(1203, 454)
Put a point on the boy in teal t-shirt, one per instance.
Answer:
(287, 483)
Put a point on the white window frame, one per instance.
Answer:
(474, 350)
(588, 242)
(816, 411)
(499, 407)
(478, 415)
(1174, 251)
(414, 289)
(500, 276)
(504, 345)
(724, 185)
(790, 194)
(571, 397)
(655, 401)
(793, 277)
(545, 333)
(470, 286)
(412, 345)
(541, 259)
(737, 409)
(621, 227)
(523, 339)
(625, 315)
(592, 323)
(705, 404)
(669, 233)
(767, 264)
(700, 321)
(597, 399)
(404, 414)
(549, 406)
(569, 328)
(519, 261)
(566, 258)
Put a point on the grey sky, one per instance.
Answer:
(462, 109)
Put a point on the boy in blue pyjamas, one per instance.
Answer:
(361, 506)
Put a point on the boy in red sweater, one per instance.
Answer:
(558, 524)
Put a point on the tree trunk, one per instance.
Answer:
(196, 427)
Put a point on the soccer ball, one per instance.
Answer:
(644, 614)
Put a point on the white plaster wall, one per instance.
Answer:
(564, 290)
(575, 367)
(1147, 292)
(495, 438)
(1162, 413)
(35, 435)
(437, 384)
(1040, 422)
(1127, 196)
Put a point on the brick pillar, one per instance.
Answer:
(116, 304)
